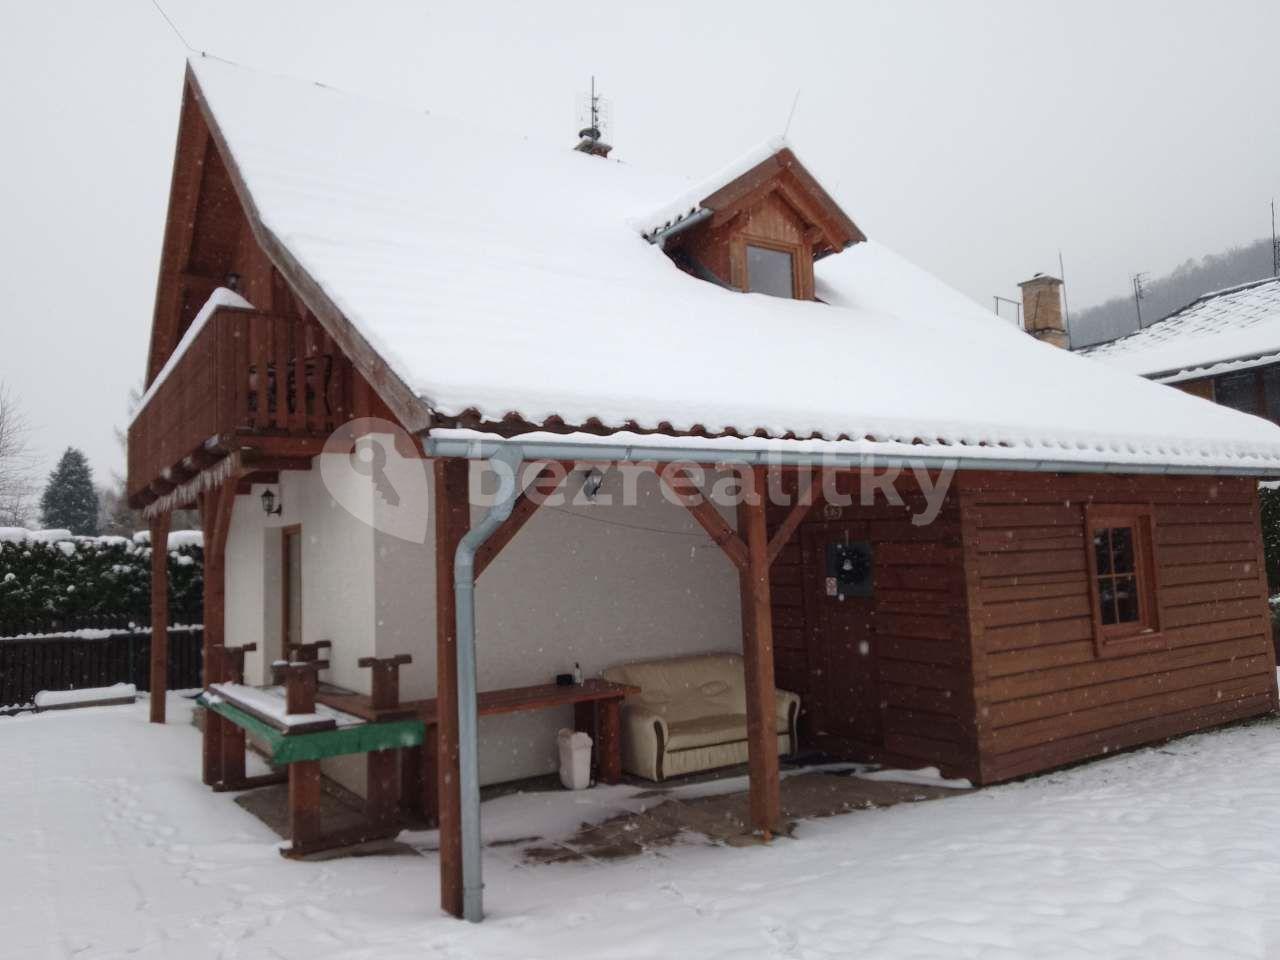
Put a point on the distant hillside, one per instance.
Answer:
(1194, 278)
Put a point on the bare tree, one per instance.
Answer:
(17, 461)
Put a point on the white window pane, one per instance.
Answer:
(769, 271)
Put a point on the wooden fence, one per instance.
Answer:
(68, 662)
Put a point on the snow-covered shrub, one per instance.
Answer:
(1269, 498)
(83, 579)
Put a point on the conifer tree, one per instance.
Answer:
(69, 501)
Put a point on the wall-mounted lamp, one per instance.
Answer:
(271, 505)
(232, 281)
(592, 482)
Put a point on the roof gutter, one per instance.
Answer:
(1246, 361)
(471, 448)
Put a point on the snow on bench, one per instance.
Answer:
(87, 697)
(268, 705)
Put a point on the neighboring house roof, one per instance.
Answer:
(511, 284)
(1231, 329)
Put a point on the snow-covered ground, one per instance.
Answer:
(110, 847)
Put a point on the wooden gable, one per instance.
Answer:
(268, 384)
(214, 237)
(777, 205)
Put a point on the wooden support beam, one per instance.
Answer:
(382, 786)
(757, 654)
(683, 488)
(215, 516)
(233, 739)
(304, 804)
(159, 615)
(806, 500)
(543, 486)
(453, 519)
(301, 682)
(275, 464)
(384, 699)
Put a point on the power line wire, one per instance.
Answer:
(697, 535)
(173, 26)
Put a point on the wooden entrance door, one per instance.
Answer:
(838, 561)
(291, 583)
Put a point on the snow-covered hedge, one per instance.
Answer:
(49, 576)
(1269, 498)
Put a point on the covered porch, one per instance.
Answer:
(425, 771)
(762, 545)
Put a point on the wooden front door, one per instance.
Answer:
(291, 581)
(838, 561)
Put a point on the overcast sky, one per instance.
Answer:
(975, 138)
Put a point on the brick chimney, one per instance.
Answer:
(1042, 310)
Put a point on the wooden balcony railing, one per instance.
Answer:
(246, 373)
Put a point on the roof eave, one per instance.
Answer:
(478, 445)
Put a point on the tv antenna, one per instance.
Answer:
(1139, 294)
(1275, 244)
(594, 114)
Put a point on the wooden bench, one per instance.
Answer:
(597, 711)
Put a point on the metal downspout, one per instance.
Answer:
(506, 464)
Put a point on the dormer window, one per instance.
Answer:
(771, 270)
(759, 231)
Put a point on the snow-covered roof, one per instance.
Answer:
(496, 276)
(1227, 330)
(688, 203)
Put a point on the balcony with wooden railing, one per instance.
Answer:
(246, 379)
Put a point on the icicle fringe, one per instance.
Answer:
(184, 495)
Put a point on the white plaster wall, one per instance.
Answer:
(593, 583)
(337, 582)
(404, 601)
(245, 601)
(337, 570)
(253, 590)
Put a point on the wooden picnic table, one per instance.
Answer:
(597, 711)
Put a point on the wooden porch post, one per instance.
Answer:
(159, 614)
(215, 518)
(453, 519)
(757, 652)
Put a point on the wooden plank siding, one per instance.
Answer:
(919, 630)
(1044, 695)
(271, 372)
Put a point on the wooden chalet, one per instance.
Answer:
(1089, 577)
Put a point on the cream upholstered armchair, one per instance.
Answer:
(691, 714)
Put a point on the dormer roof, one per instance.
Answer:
(773, 165)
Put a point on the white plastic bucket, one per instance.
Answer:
(575, 759)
